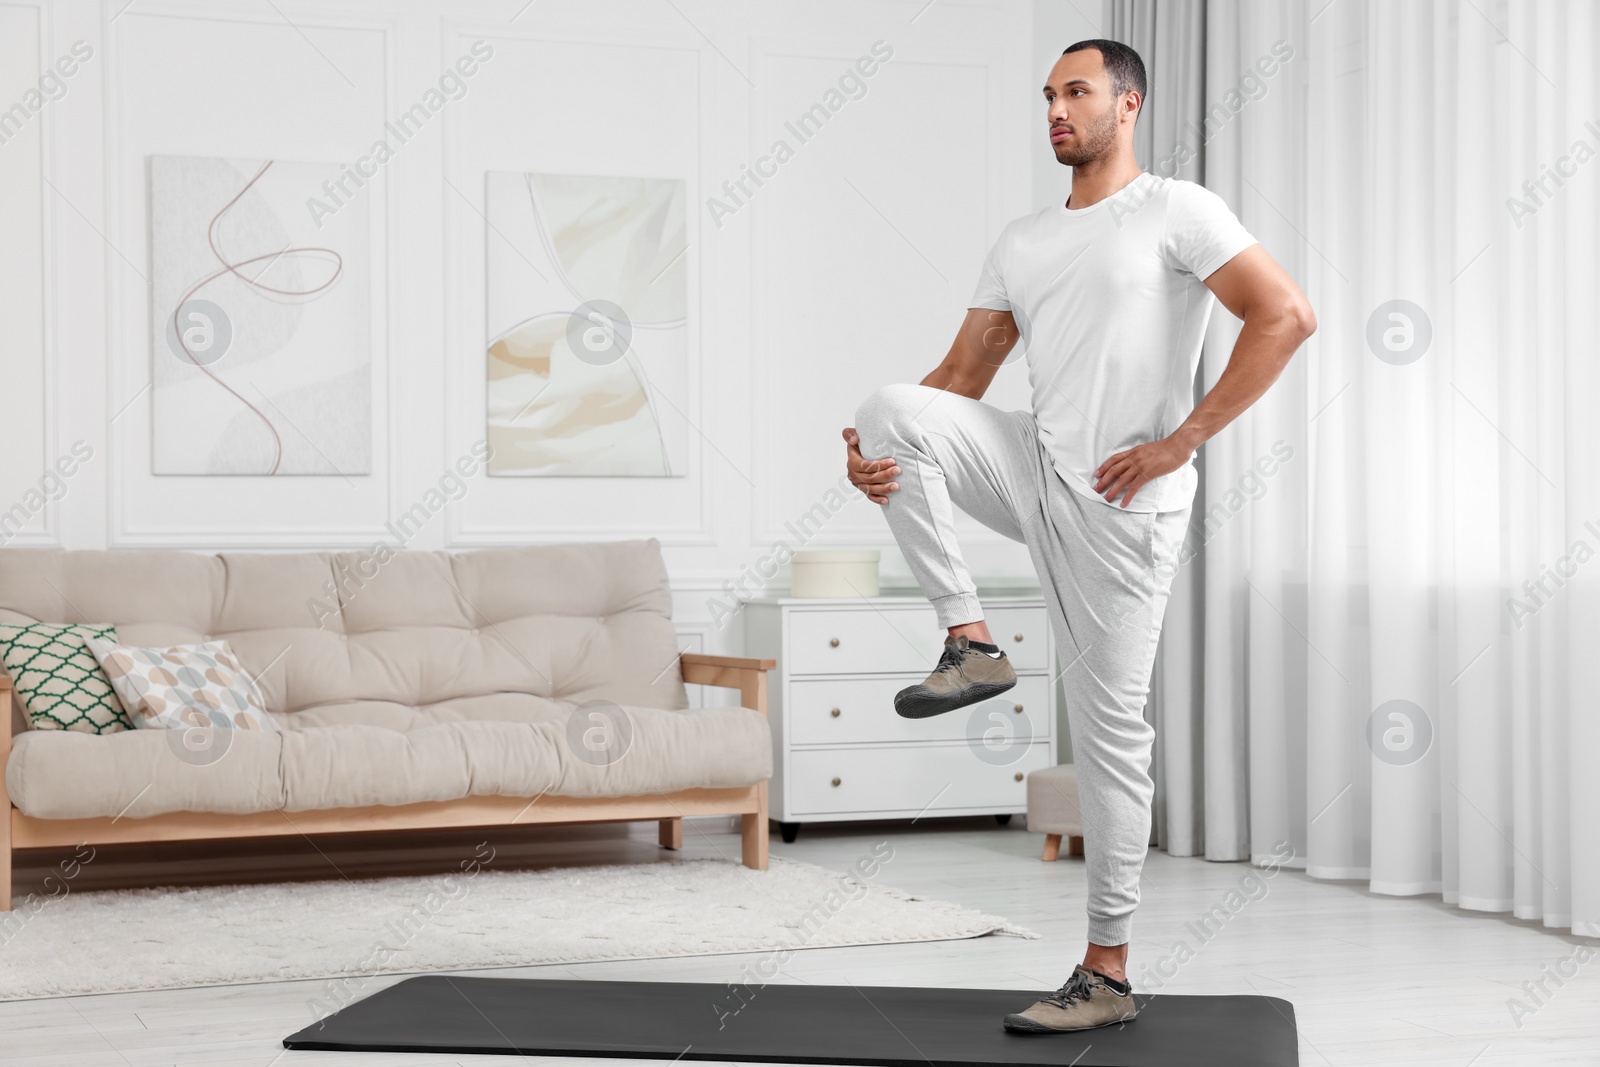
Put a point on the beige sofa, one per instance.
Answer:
(429, 689)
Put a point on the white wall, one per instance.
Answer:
(848, 269)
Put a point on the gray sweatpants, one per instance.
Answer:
(1105, 572)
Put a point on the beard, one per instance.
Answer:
(1095, 141)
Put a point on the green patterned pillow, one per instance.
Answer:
(59, 680)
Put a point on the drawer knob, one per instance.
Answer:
(1017, 709)
(834, 713)
(836, 781)
(1016, 637)
(1018, 776)
(833, 642)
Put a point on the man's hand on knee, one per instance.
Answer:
(874, 477)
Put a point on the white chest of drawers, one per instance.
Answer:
(840, 753)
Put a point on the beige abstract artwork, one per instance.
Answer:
(587, 283)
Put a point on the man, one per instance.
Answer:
(1108, 292)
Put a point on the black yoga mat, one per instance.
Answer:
(866, 1025)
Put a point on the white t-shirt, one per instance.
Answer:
(1113, 311)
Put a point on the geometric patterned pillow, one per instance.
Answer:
(61, 685)
(184, 686)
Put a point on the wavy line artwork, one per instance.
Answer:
(587, 304)
(261, 333)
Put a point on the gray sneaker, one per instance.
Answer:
(964, 676)
(1085, 1002)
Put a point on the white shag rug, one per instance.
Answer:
(110, 941)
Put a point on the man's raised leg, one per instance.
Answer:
(952, 452)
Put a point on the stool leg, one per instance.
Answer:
(1074, 846)
(1052, 847)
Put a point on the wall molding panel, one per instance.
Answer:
(495, 511)
(294, 102)
(29, 432)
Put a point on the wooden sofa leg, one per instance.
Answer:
(1075, 846)
(672, 833)
(753, 832)
(1052, 847)
(6, 698)
(5, 858)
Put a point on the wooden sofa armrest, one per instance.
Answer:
(748, 674)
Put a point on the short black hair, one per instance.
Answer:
(1122, 63)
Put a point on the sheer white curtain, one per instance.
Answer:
(1386, 647)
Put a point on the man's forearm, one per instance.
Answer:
(1264, 348)
(946, 377)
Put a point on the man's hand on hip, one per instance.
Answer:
(1127, 472)
(874, 477)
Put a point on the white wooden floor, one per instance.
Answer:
(1374, 980)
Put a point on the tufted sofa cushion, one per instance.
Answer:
(423, 676)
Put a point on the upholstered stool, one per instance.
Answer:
(1053, 809)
